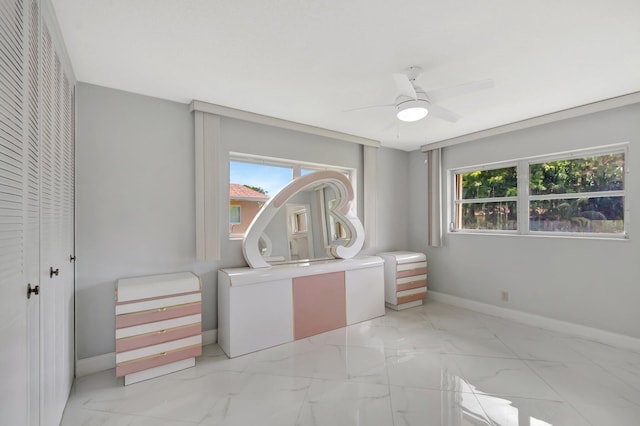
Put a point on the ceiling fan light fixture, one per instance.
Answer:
(412, 110)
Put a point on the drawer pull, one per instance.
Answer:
(164, 353)
(161, 332)
(161, 309)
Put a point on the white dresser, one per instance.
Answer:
(260, 308)
(405, 279)
(158, 325)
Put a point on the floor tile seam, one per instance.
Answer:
(623, 380)
(413, 387)
(338, 345)
(82, 405)
(571, 404)
(500, 395)
(594, 363)
(589, 401)
(531, 359)
(484, 410)
(606, 366)
(469, 355)
(506, 356)
(557, 391)
(302, 404)
(293, 376)
(138, 416)
(513, 396)
(345, 378)
(97, 410)
(504, 344)
(386, 370)
(144, 416)
(221, 370)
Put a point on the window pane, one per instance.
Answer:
(487, 184)
(596, 215)
(234, 215)
(306, 171)
(588, 174)
(266, 177)
(492, 216)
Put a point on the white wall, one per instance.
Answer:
(585, 281)
(136, 203)
(393, 202)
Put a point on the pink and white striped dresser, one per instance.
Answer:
(405, 279)
(158, 325)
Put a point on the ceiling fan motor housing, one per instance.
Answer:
(409, 109)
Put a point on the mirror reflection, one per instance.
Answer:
(311, 218)
(304, 229)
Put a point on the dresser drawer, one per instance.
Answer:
(409, 269)
(412, 279)
(412, 284)
(158, 314)
(148, 351)
(156, 360)
(412, 295)
(156, 337)
(136, 330)
(156, 303)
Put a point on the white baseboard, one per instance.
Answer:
(95, 364)
(589, 333)
(103, 362)
(209, 337)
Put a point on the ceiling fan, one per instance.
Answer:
(414, 103)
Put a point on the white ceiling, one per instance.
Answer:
(309, 61)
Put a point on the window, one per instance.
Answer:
(487, 199)
(254, 179)
(583, 194)
(580, 193)
(235, 215)
(299, 222)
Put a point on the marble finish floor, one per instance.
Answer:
(431, 365)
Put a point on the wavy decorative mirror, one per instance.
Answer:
(309, 219)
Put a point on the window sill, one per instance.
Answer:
(572, 236)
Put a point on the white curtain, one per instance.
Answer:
(434, 190)
(370, 159)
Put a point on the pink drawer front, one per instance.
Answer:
(411, 272)
(135, 342)
(137, 318)
(157, 360)
(412, 284)
(412, 297)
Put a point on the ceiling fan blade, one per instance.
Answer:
(395, 125)
(404, 85)
(443, 113)
(369, 107)
(449, 92)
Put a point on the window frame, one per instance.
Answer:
(524, 198)
(239, 207)
(455, 201)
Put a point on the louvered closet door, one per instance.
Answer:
(32, 216)
(36, 220)
(14, 359)
(56, 233)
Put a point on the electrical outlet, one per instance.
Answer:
(505, 296)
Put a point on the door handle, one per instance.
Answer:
(53, 272)
(35, 290)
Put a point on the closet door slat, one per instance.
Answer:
(13, 307)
